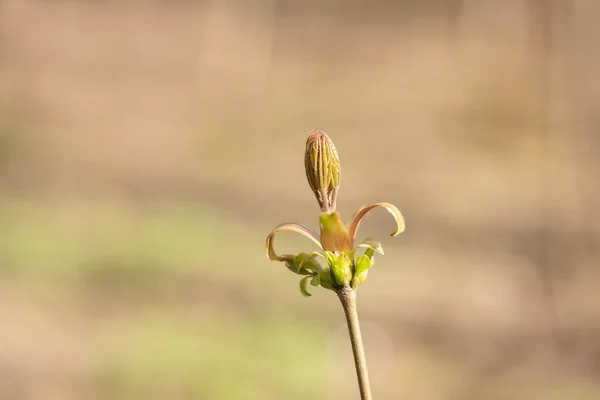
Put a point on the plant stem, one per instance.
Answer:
(347, 297)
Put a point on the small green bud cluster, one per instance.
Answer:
(349, 272)
(342, 269)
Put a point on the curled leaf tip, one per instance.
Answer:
(292, 227)
(364, 210)
(372, 244)
(302, 284)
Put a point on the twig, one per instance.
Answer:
(347, 297)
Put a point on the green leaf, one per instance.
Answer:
(296, 270)
(372, 244)
(363, 263)
(330, 257)
(339, 275)
(305, 264)
(326, 280)
(303, 283)
(316, 280)
(362, 276)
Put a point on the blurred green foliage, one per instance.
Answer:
(120, 255)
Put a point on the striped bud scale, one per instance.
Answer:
(323, 170)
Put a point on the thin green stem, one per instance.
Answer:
(347, 297)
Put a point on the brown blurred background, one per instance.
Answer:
(148, 147)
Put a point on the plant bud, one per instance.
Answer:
(341, 269)
(323, 170)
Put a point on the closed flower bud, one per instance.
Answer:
(323, 170)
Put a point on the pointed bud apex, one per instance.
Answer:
(322, 169)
